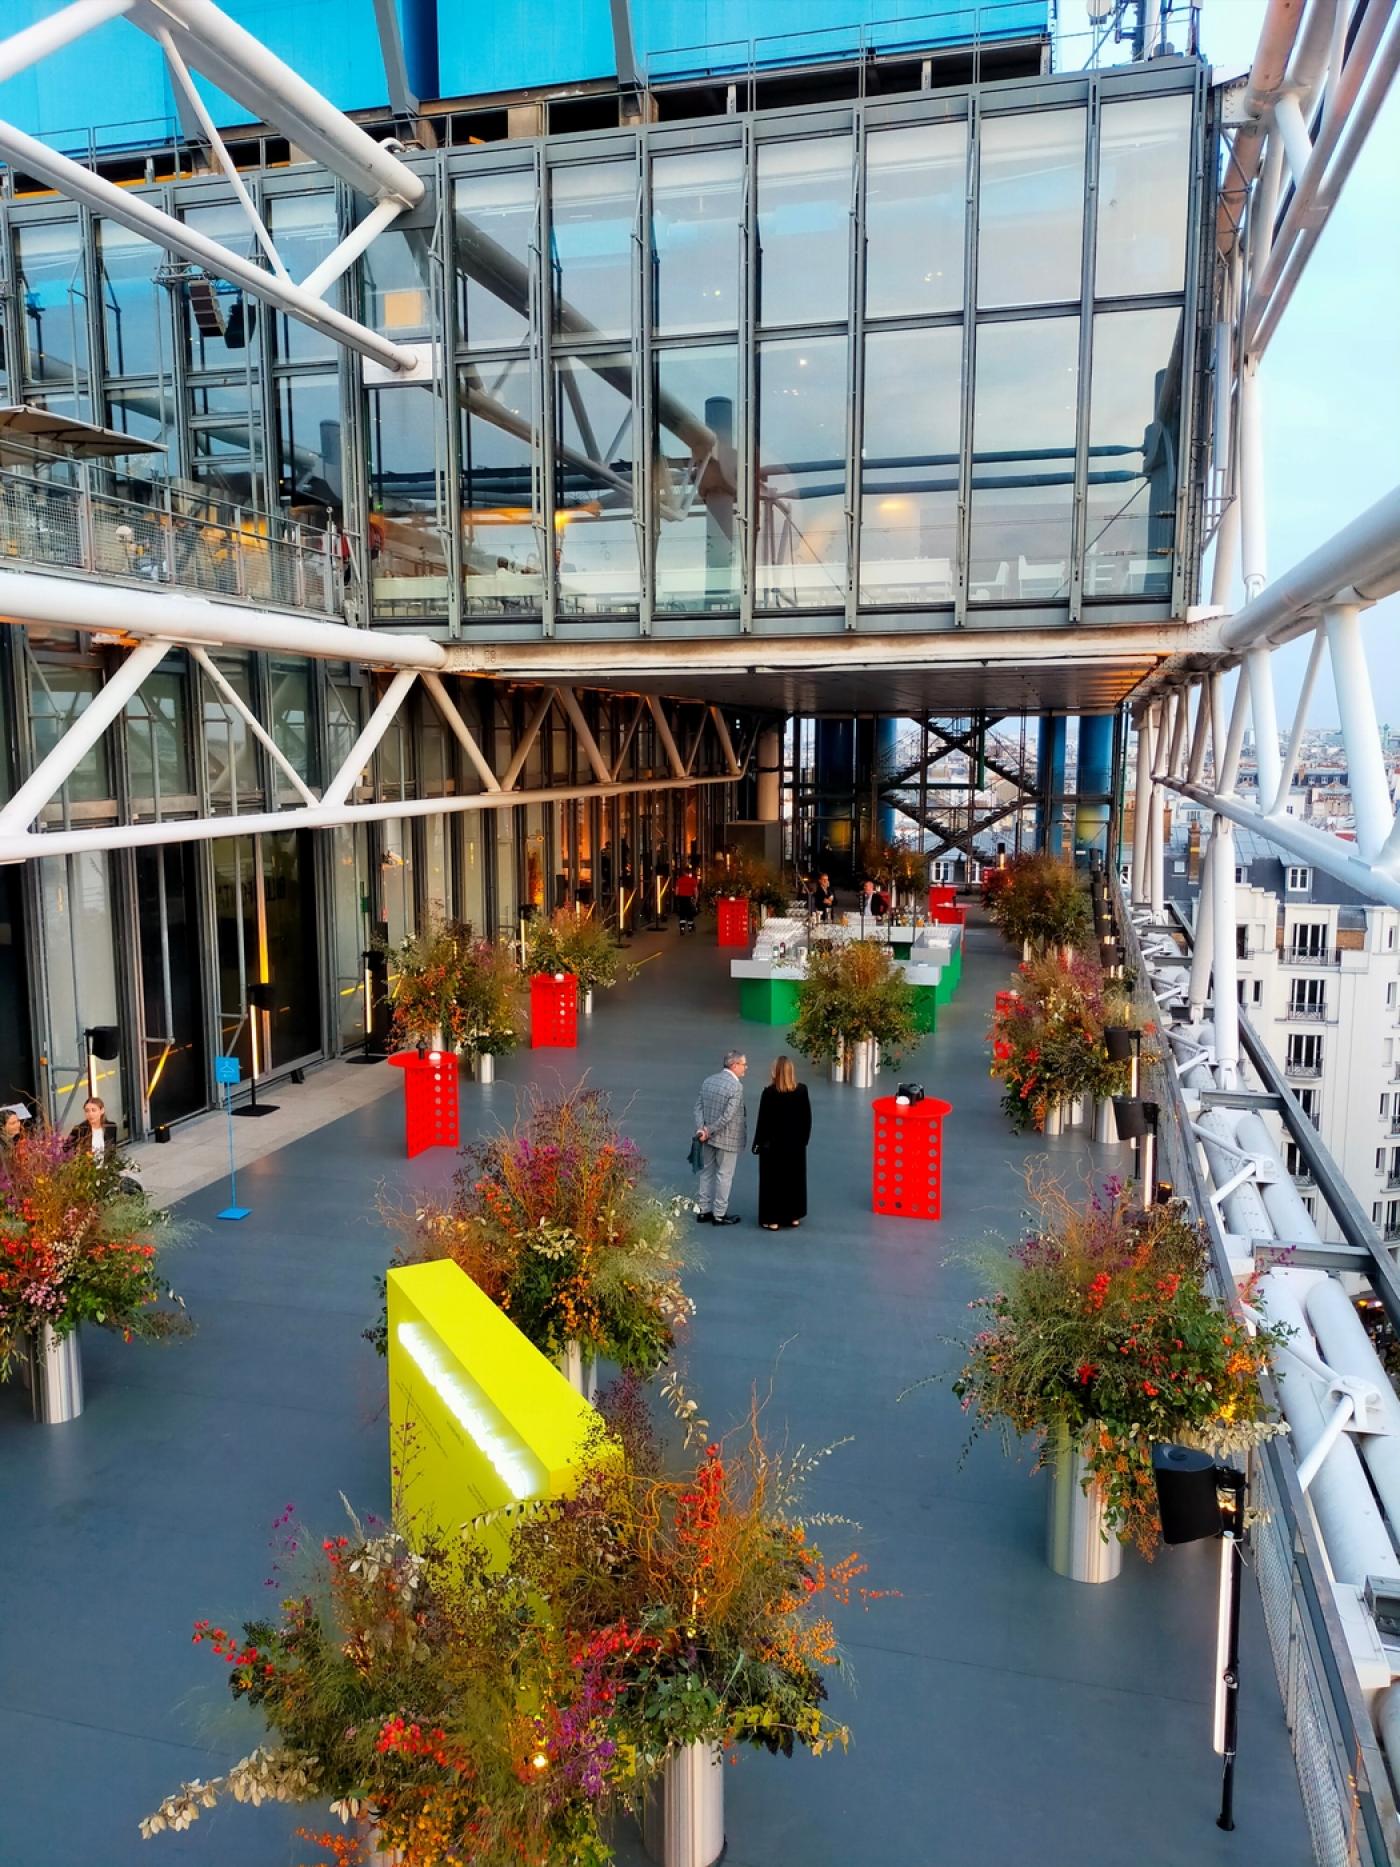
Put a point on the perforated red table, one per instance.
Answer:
(732, 915)
(907, 1172)
(553, 1011)
(941, 895)
(429, 1099)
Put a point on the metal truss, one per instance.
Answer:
(702, 730)
(195, 34)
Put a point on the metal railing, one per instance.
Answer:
(1302, 956)
(1292, 1067)
(1307, 1014)
(173, 539)
(1346, 1790)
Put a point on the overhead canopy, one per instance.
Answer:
(23, 428)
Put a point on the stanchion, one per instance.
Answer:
(227, 1071)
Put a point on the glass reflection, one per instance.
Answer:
(1031, 208)
(157, 751)
(502, 569)
(80, 973)
(909, 466)
(593, 209)
(350, 894)
(493, 220)
(52, 302)
(223, 428)
(172, 1009)
(309, 468)
(58, 693)
(408, 559)
(231, 756)
(801, 481)
(697, 206)
(290, 686)
(305, 230)
(595, 536)
(134, 337)
(915, 201)
(696, 551)
(1023, 460)
(1144, 165)
(220, 320)
(1134, 423)
(398, 280)
(804, 221)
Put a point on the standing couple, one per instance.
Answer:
(780, 1140)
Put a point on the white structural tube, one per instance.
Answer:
(1353, 1530)
(1364, 556)
(1203, 946)
(176, 618)
(1386, 1712)
(1370, 790)
(1290, 1218)
(1244, 1210)
(1346, 1347)
(1224, 1002)
(1142, 808)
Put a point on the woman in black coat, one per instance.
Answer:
(780, 1140)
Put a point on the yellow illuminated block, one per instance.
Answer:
(478, 1417)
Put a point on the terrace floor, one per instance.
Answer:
(999, 1713)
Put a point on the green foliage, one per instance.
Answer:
(1038, 898)
(445, 983)
(1048, 1038)
(571, 941)
(853, 989)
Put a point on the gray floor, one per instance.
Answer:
(1000, 1714)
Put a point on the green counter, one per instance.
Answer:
(952, 973)
(769, 1001)
(926, 1001)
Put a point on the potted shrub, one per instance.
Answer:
(490, 997)
(854, 997)
(501, 1713)
(1101, 1339)
(426, 988)
(1040, 904)
(555, 1222)
(1048, 1039)
(79, 1243)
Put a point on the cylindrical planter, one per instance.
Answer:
(863, 1063)
(839, 1063)
(1077, 1543)
(578, 1369)
(1075, 1111)
(683, 1820)
(1105, 1122)
(376, 1856)
(588, 1003)
(55, 1376)
(1027, 952)
(485, 1066)
(1054, 1118)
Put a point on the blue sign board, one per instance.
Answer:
(227, 1070)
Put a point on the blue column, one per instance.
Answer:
(1050, 776)
(1094, 789)
(886, 739)
(834, 817)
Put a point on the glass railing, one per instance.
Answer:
(55, 515)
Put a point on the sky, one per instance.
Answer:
(1330, 377)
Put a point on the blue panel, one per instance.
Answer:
(112, 85)
(518, 43)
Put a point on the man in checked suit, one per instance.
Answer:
(722, 1125)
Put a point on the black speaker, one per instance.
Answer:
(1186, 1493)
(914, 1091)
(298, 1076)
(1118, 1041)
(104, 1041)
(260, 995)
(1131, 1115)
(162, 1132)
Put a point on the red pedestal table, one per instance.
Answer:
(429, 1099)
(947, 916)
(553, 1011)
(733, 916)
(907, 1176)
(942, 895)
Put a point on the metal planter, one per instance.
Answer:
(588, 1003)
(55, 1377)
(1054, 1118)
(1077, 1543)
(863, 1063)
(683, 1820)
(485, 1067)
(1105, 1122)
(578, 1369)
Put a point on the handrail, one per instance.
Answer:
(178, 538)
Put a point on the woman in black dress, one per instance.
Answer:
(780, 1140)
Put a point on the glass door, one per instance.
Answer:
(265, 930)
(172, 1002)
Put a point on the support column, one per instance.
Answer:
(1198, 991)
(833, 826)
(1050, 774)
(1094, 785)
(1370, 791)
(768, 793)
(1225, 999)
(1156, 845)
(1267, 762)
(1142, 808)
(1253, 544)
(886, 740)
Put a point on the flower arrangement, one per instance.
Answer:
(1040, 902)
(853, 989)
(553, 1219)
(1048, 1039)
(450, 988)
(499, 1715)
(574, 942)
(744, 876)
(1101, 1327)
(77, 1247)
